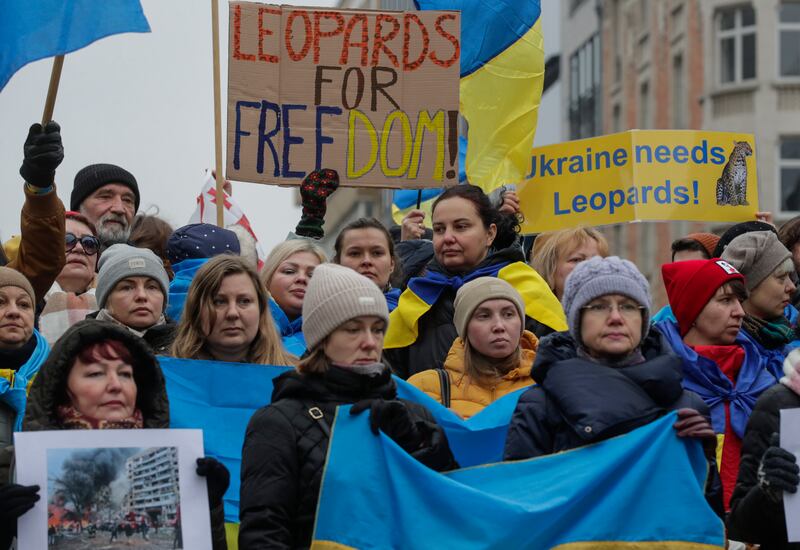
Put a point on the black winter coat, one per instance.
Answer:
(754, 517)
(437, 332)
(578, 401)
(285, 448)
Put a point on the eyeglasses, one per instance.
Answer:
(603, 310)
(89, 243)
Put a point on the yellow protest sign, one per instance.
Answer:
(641, 175)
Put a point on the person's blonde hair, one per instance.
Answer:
(265, 349)
(550, 247)
(283, 251)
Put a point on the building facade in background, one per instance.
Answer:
(153, 481)
(723, 65)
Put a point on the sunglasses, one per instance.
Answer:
(89, 243)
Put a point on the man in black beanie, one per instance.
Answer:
(108, 196)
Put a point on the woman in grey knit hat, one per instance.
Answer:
(770, 319)
(608, 374)
(132, 290)
(344, 320)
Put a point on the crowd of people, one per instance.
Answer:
(91, 296)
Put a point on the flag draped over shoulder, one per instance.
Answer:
(633, 491)
(32, 30)
(423, 292)
(502, 74)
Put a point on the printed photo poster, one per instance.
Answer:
(639, 175)
(103, 488)
(370, 94)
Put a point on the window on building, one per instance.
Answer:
(678, 93)
(644, 105)
(790, 173)
(736, 43)
(789, 32)
(584, 90)
(616, 118)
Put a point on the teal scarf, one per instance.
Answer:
(14, 389)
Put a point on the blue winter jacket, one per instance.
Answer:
(291, 331)
(179, 287)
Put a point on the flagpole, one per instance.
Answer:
(52, 90)
(220, 178)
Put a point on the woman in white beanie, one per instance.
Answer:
(492, 355)
(132, 290)
(344, 321)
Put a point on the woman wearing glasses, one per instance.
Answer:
(72, 296)
(608, 374)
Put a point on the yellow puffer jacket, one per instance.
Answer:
(467, 397)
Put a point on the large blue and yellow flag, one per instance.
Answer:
(220, 398)
(639, 491)
(502, 74)
(30, 31)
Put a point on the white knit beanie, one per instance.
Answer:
(335, 295)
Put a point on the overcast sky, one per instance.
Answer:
(145, 102)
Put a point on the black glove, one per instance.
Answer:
(692, 424)
(43, 153)
(15, 500)
(218, 478)
(314, 192)
(394, 419)
(778, 471)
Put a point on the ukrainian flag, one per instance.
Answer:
(220, 398)
(405, 200)
(423, 292)
(502, 75)
(642, 490)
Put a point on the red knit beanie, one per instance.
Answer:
(691, 284)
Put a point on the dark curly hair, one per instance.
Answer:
(508, 225)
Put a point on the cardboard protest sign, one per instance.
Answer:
(371, 94)
(98, 485)
(641, 175)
